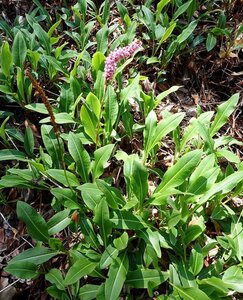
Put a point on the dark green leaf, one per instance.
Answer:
(36, 225)
(78, 270)
(24, 270)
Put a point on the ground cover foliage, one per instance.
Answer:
(129, 188)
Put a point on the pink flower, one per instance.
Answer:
(116, 55)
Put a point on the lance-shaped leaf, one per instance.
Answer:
(223, 186)
(80, 156)
(90, 114)
(116, 277)
(101, 157)
(136, 176)
(79, 269)
(178, 173)
(53, 147)
(37, 255)
(191, 293)
(102, 218)
(59, 221)
(36, 225)
(223, 112)
(55, 277)
(108, 256)
(19, 49)
(162, 129)
(141, 278)
(127, 220)
(24, 270)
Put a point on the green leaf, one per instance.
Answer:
(108, 256)
(24, 270)
(66, 197)
(164, 37)
(60, 118)
(111, 108)
(121, 242)
(163, 128)
(129, 91)
(159, 8)
(88, 232)
(186, 32)
(80, 155)
(192, 233)
(106, 12)
(116, 277)
(36, 256)
(98, 60)
(210, 42)
(19, 49)
(78, 270)
(136, 176)
(6, 90)
(6, 63)
(127, 220)
(29, 142)
(223, 187)
(190, 293)
(42, 37)
(88, 292)
(113, 195)
(53, 147)
(141, 278)
(151, 237)
(59, 221)
(54, 276)
(223, 112)
(233, 277)
(191, 130)
(101, 157)
(64, 177)
(37, 107)
(36, 225)
(89, 115)
(11, 154)
(216, 283)
(102, 218)
(196, 260)
(102, 39)
(230, 156)
(91, 194)
(149, 130)
(178, 173)
(181, 9)
(206, 164)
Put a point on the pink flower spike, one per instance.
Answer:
(118, 54)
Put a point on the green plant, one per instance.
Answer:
(122, 225)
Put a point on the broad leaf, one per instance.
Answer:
(55, 277)
(36, 256)
(178, 173)
(101, 157)
(78, 270)
(36, 225)
(64, 177)
(59, 221)
(141, 278)
(19, 49)
(88, 291)
(24, 270)
(190, 293)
